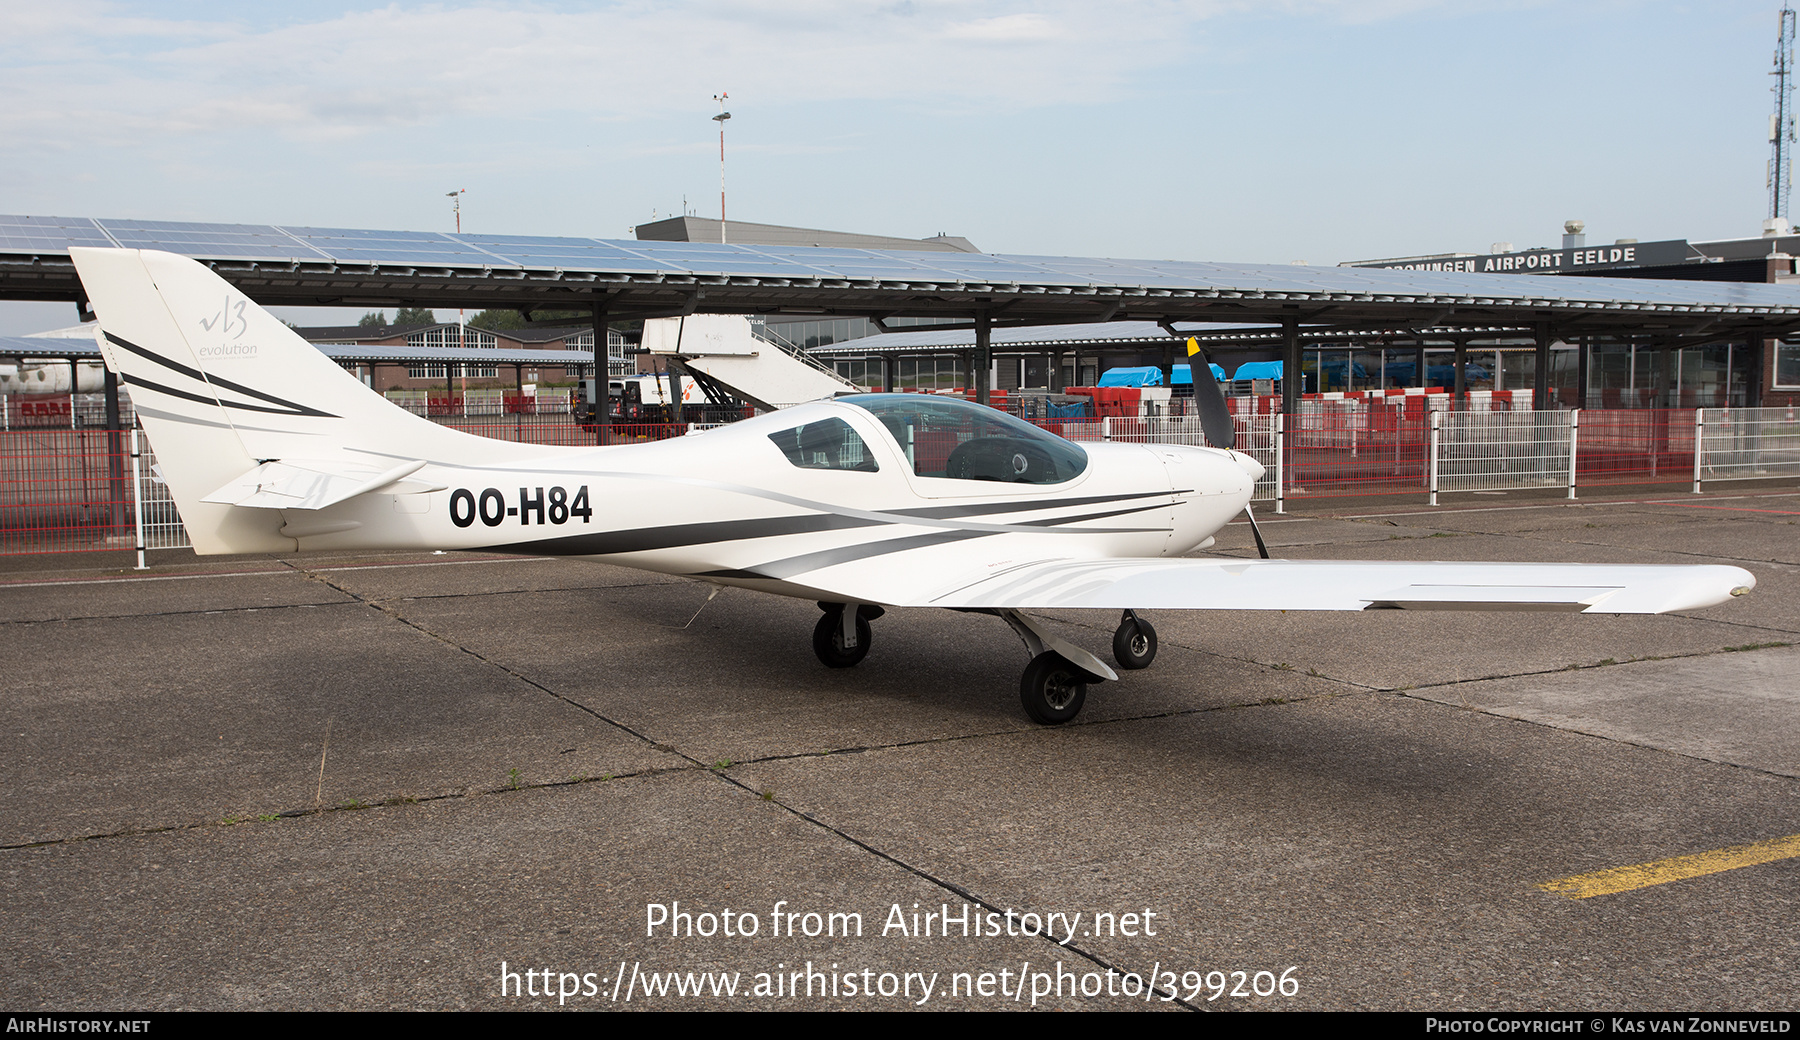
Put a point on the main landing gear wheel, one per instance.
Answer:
(1134, 644)
(1052, 689)
(828, 639)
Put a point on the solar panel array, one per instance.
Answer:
(22, 237)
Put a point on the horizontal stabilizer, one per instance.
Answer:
(301, 484)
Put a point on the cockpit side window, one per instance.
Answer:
(964, 441)
(826, 444)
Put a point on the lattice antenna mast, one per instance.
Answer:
(1781, 121)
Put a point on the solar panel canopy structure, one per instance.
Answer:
(308, 266)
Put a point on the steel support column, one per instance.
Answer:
(984, 357)
(518, 401)
(1755, 351)
(600, 385)
(115, 446)
(1584, 359)
(1290, 366)
(1540, 371)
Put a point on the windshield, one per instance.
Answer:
(945, 437)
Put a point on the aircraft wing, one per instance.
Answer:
(1222, 584)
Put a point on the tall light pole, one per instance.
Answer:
(1781, 121)
(720, 119)
(462, 339)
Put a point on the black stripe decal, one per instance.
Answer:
(1058, 521)
(793, 565)
(676, 536)
(184, 395)
(845, 554)
(1023, 506)
(286, 407)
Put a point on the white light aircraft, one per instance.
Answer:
(861, 503)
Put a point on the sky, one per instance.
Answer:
(1259, 132)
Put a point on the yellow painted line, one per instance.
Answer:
(1680, 868)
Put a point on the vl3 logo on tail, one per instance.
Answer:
(228, 323)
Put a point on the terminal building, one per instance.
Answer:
(1633, 371)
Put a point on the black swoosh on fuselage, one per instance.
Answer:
(675, 536)
(1022, 506)
(682, 535)
(813, 561)
(792, 565)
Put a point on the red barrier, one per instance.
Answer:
(63, 491)
(1635, 446)
(1373, 448)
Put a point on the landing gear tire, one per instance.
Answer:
(828, 640)
(1052, 689)
(1134, 644)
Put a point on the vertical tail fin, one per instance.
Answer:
(223, 386)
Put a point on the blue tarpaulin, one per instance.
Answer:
(1259, 370)
(1150, 375)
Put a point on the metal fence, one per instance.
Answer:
(158, 522)
(67, 490)
(63, 490)
(1748, 443)
(1501, 451)
(1636, 446)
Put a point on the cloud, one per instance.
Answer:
(1007, 28)
(99, 69)
(76, 73)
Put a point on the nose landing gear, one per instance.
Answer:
(841, 638)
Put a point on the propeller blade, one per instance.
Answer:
(1255, 531)
(1215, 416)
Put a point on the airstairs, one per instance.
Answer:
(726, 349)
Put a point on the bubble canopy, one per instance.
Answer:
(960, 440)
